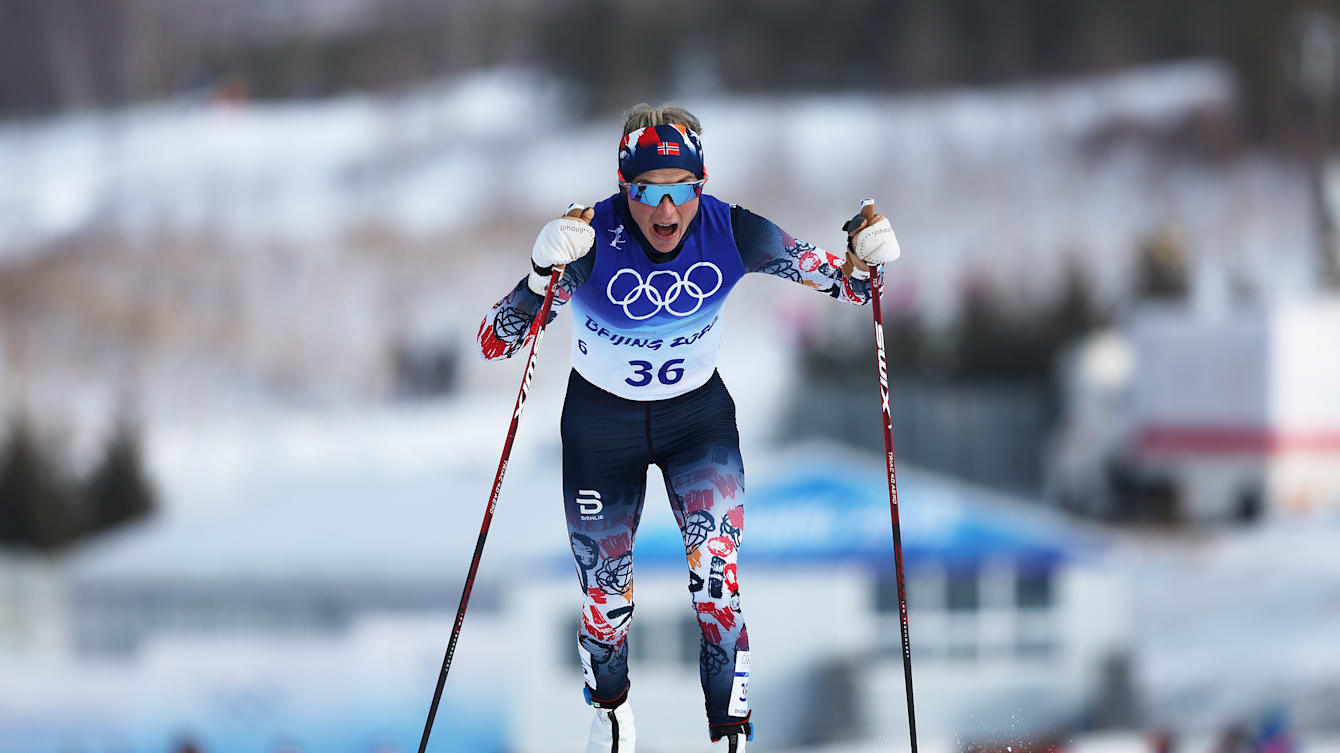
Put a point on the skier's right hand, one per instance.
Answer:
(566, 239)
(561, 241)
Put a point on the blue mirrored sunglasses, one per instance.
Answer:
(652, 193)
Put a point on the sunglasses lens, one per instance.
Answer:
(652, 193)
(682, 194)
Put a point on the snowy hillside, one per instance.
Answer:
(212, 257)
(977, 176)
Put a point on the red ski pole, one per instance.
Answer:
(854, 226)
(493, 496)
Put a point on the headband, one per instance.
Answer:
(656, 147)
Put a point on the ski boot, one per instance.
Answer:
(612, 730)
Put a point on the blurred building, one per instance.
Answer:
(1200, 414)
(1239, 411)
(33, 604)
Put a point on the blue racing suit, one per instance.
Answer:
(644, 390)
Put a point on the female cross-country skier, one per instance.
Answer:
(646, 272)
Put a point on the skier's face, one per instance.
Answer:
(663, 225)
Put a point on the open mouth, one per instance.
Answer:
(665, 232)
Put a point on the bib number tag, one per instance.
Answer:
(670, 372)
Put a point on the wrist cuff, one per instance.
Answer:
(538, 282)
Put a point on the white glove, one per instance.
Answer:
(561, 241)
(875, 243)
(564, 240)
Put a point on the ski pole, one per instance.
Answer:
(493, 496)
(852, 227)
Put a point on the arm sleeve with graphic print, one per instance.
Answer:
(509, 326)
(766, 248)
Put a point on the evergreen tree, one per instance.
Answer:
(118, 491)
(36, 510)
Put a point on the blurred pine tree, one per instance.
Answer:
(118, 491)
(36, 503)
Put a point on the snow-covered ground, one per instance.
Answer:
(1241, 616)
(1123, 742)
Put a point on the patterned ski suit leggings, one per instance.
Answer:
(608, 444)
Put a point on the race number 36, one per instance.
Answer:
(670, 372)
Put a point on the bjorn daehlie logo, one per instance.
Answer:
(589, 504)
(679, 296)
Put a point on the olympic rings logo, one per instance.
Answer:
(668, 299)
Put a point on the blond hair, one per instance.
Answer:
(643, 115)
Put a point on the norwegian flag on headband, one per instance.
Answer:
(661, 146)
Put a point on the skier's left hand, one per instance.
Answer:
(870, 236)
